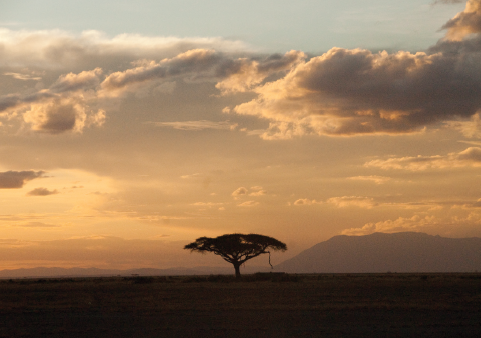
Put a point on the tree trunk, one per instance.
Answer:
(237, 271)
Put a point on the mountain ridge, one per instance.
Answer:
(382, 252)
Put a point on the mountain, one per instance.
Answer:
(381, 252)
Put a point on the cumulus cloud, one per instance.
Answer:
(465, 23)
(74, 82)
(342, 92)
(60, 115)
(233, 74)
(349, 92)
(194, 62)
(260, 192)
(306, 201)
(241, 191)
(349, 201)
(468, 157)
(17, 179)
(243, 74)
(197, 125)
(42, 192)
(63, 107)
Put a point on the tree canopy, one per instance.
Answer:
(237, 248)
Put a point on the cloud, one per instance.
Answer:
(248, 204)
(240, 192)
(63, 107)
(349, 201)
(306, 201)
(42, 192)
(207, 204)
(465, 23)
(352, 92)
(415, 223)
(23, 77)
(261, 192)
(68, 85)
(342, 92)
(74, 82)
(197, 125)
(246, 73)
(233, 74)
(373, 178)
(194, 62)
(470, 128)
(56, 49)
(468, 157)
(61, 115)
(16, 179)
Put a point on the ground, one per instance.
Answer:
(327, 305)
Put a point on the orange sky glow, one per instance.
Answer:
(115, 152)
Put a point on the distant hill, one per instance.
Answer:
(94, 272)
(380, 252)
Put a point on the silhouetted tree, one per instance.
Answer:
(237, 248)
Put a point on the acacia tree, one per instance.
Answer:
(237, 248)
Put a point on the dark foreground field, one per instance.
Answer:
(386, 305)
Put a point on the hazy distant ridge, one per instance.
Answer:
(380, 252)
(94, 272)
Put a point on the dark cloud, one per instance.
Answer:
(193, 62)
(61, 115)
(42, 192)
(201, 65)
(16, 179)
(347, 92)
(9, 101)
(356, 91)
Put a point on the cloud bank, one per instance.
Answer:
(343, 92)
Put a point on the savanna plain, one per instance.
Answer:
(260, 305)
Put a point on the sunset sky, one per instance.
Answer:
(130, 128)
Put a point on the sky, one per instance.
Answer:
(129, 129)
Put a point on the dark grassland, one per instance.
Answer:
(262, 305)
